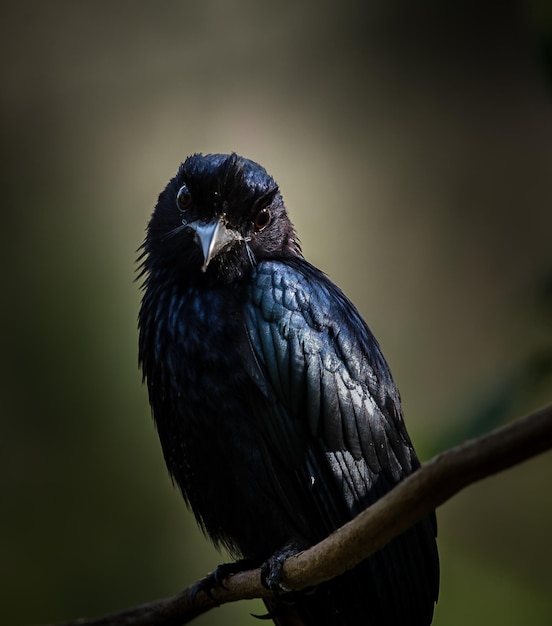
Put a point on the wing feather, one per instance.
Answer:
(333, 415)
(326, 368)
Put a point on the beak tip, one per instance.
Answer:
(213, 238)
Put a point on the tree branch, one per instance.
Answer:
(414, 498)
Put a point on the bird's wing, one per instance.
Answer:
(333, 415)
(331, 386)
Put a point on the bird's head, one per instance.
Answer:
(216, 218)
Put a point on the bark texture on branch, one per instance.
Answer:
(414, 498)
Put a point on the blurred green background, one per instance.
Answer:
(413, 145)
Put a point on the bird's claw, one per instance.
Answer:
(272, 572)
(215, 580)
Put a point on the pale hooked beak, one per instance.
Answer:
(213, 237)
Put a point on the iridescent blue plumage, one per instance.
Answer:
(277, 413)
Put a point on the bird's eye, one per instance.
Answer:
(262, 220)
(183, 198)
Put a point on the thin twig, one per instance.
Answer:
(414, 498)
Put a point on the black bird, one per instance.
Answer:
(277, 413)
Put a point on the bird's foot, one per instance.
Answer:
(272, 569)
(215, 580)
